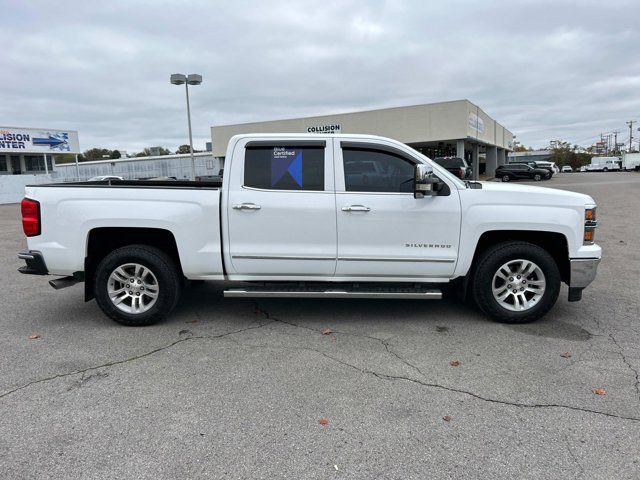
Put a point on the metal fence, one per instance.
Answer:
(178, 166)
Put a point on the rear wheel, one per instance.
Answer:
(137, 285)
(516, 282)
(506, 178)
(605, 169)
(537, 177)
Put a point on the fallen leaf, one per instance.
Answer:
(565, 355)
(454, 363)
(599, 391)
(447, 418)
(323, 421)
(336, 467)
(326, 331)
(33, 337)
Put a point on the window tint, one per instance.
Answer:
(284, 168)
(376, 171)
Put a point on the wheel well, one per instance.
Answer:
(102, 241)
(552, 242)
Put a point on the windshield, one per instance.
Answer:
(449, 162)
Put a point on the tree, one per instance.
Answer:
(95, 154)
(183, 149)
(115, 154)
(522, 148)
(152, 151)
(563, 153)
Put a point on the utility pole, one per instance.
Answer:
(615, 144)
(630, 123)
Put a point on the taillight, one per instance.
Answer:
(30, 217)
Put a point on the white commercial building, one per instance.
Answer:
(458, 128)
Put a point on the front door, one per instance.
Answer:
(384, 233)
(281, 210)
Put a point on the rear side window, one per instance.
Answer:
(368, 170)
(284, 167)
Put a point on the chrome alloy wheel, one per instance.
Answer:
(133, 288)
(518, 285)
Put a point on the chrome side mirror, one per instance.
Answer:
(423, 181)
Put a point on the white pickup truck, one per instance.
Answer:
(305, 215)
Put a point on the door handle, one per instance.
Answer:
(356, 208)
(247, 206)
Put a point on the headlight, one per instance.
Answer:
(590, 225)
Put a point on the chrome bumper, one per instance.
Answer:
(583, 271)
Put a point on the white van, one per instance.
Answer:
(603, 164)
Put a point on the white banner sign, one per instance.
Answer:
(476, 123)
(331, 128)
(33, 140)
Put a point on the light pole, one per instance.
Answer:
(191, 79)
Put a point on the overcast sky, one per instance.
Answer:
(544, 69)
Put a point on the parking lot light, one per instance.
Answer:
(191, 79)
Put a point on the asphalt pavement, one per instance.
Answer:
(281, 388)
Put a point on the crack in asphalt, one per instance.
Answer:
(128, 360)
(384, 376)
(627, 363)
(378, 375)
(573, 455)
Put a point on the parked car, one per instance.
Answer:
(456, 165)
(285, 225)
(102, 178)
(548, 166)
(517, 171)
(566, 169)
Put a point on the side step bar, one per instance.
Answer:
(64, 282)
(334, 293)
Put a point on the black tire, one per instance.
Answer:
(605, 169)
(506, 178)
(489, 263)
(168, 278)
(537, 177)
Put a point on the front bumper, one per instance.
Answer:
(583, 271)
(35, 263)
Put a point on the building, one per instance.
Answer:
(177, 166)
(33, 150)
(530, 156)
(458, 128)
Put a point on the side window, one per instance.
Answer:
(284, 167)
(368, 170)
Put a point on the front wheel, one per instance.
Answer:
(605, 169)
(506, 178)
(137, 285)
(516, 282)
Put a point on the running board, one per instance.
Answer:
(400, 293)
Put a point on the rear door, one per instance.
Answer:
(281, 210)
(384, 234)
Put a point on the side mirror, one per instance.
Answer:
(425, 184)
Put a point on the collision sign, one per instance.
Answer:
(32, 140)
(329, 128)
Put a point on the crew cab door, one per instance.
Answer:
(280, 210)
(384, 233)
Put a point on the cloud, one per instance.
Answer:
(544, 69)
